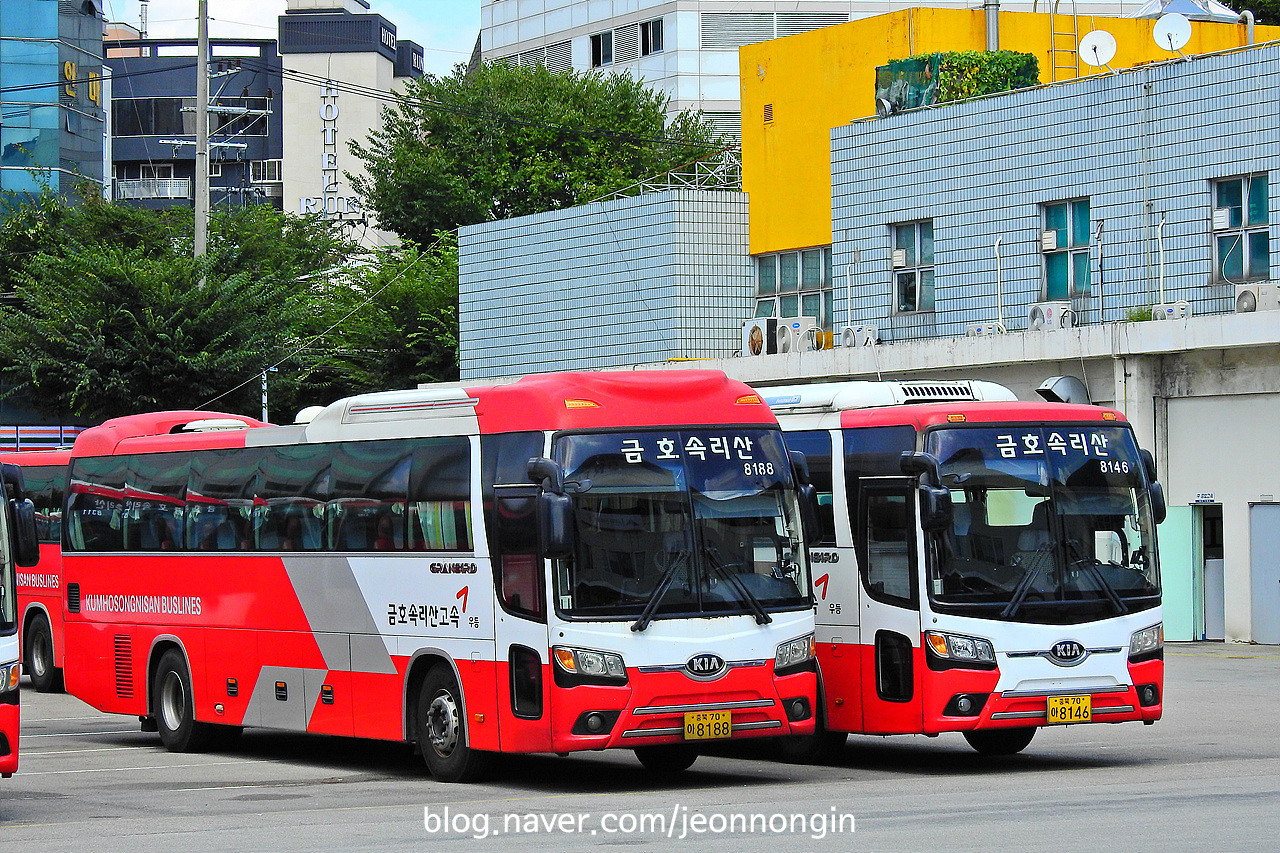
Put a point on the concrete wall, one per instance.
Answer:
(607, 284)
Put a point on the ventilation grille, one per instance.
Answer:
(727, 30)
(560, 57)
(124, 666)
(73, 598)
(556, 57)
(793, 23)
(626, 43)
(940, 392)
(768, 113)
(726, 124)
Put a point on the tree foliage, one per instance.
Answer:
(393, 323)
(506, 141)
(107, 314)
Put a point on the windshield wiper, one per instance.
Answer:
(664, 584)
(1091, 566)
(1023, 589)
(753, 603)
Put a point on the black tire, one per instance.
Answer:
(817, 748)
(173, 706)
(668, 759)
(45, 677)
(442, 731)
(1000, 741)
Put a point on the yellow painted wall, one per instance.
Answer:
(821, 79)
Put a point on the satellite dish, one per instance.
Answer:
(1098, 48)
(1172, 32)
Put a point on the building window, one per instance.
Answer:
(215, 169)
(1242, 247)
(153, 116)
(266, 171)
(651, 37)
(157, 171)
(1065, 243)
(602, 49)
(796, 284)
(913, 266)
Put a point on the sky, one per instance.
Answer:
(446, 29)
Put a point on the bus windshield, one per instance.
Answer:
(682, 522)
(1051, 525)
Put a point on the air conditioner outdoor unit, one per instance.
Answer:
(1259, 296)
(859, 336)
(760, 336)
(978, 330)
(1180, 310)
(792, 334)
(1050, 315)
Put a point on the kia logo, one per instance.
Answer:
(1068, 652)
(704, 667)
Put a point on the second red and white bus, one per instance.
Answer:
(567, 562)
(40, 602)
(986, 566)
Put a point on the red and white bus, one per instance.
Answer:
(18, 547)
(40, 586)
(985, 566)
(566, 562)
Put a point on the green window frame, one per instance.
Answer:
(796, 284)
(1242, 229)
(1067, 264)
(913, 265)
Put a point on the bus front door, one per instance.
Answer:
(891, 657)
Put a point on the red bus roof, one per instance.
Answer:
(155, 431)
(641, 398)
(52, 456)
(924, 415)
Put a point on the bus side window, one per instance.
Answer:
(511, 523)
(440, 496)
(816, 447)
(888, 536)
(95, 505)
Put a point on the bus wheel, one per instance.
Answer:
(174, 707)
(45, 677)
(820, 746)
(442, 735)
(669, 758)
(1000, 741)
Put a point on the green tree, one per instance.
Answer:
(392, 323)
(106, 315)
(505, 141)
(1264, 11)
(105, 330)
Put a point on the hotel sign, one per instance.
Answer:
(331, 202)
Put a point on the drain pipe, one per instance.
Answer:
(1246, 18)
(991, 11)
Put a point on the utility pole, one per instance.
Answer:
(202, 130)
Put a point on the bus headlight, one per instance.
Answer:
(793, 654)
(9, 675)
(590, 665)
(958, 647)
(1147, 643)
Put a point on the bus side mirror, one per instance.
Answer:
(1158, 507)
(1148, 463)
(935, 507)
(923, 466)
(555, 525)
(26, 545)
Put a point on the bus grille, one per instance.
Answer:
(124, 666)
(938, 392)
(73, 598)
